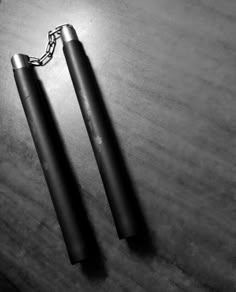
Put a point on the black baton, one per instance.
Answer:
(110, 162)
(62, 184)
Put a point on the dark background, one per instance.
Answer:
(167, 72)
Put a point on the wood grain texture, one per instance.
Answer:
(167, 71)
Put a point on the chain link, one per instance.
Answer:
(53, 35)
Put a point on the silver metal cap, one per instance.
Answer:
(68, 34)
(20, 61)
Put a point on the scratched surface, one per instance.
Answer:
(167, 72)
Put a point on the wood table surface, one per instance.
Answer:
(167, 73)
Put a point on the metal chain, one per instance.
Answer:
(53, 35)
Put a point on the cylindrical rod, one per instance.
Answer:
(64, 189)
(112, 168)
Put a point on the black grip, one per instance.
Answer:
(104, 142)
(64, 189)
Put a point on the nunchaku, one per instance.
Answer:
(62, 185)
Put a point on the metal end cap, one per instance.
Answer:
(68, 34)
(20, 61)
